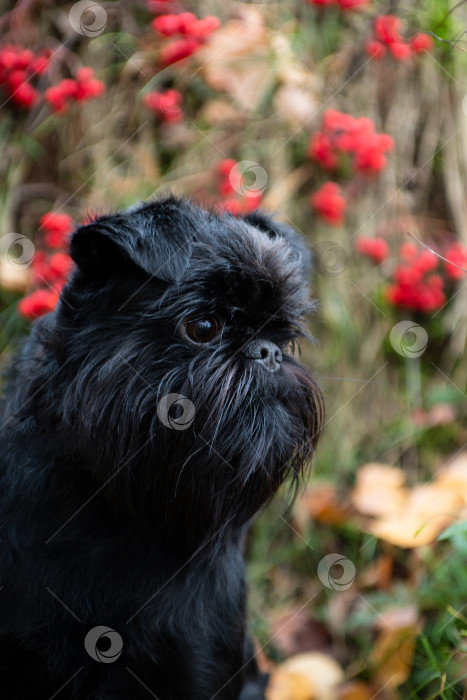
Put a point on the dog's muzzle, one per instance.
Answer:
(265, 353)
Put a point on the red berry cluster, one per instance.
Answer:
(416, 285)
(417, 281)
(456, 268)
(18, 68)
(343, 138)
(387, 38)
(236, 197)
(375, 248)
(80, 89)
(342, 4)
(50, 266)
(166, 105)
(345, 142)
(190, 33)
(329, 203)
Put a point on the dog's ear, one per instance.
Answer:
(277, 229)
(154, 237)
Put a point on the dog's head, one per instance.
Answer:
(177, 330)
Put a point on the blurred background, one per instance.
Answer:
(348, 119)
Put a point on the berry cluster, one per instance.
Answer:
(457, 255)
(417, 281)
(50, 266)
(166, 105)
(187, 31)
(329, 203)
(236, 196)
(375, 248)
(416, 285)
(344, 138)
(387, 38)
(83, 87)
(344, 144)
(18, 68)
(341, 4)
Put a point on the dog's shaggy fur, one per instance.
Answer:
(111, 517)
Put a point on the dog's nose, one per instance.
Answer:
(265, 353)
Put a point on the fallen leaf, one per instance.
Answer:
(380, 489)
(323, 671)
(236, 59)
(285, 685)
(294, 632)
(323, 503)
(454, 476)
(14, 278)
(392, 655)
(295, 105)
(356, 690)
(397, 618)
(429, 509)
(379, 573)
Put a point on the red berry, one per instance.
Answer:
(38, 303)
(457, 255)
(202, 28)
(225, 165)
(84, 74)
(329, 204)
(400, 51)
(375, 248)
(178, 50)
(408, 251)
(375, 49)
(421, 42)
(167, 25)
(25, 96)
(352, 4)
(386, 28)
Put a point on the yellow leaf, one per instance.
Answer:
(284, 685)
(380, 489)
(454, 476)
(14, 278)
(324, 673)
(427, 512)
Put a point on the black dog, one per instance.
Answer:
(145, 422)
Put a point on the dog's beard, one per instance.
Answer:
(252, 429)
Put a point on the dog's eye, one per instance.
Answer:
(201, 330)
